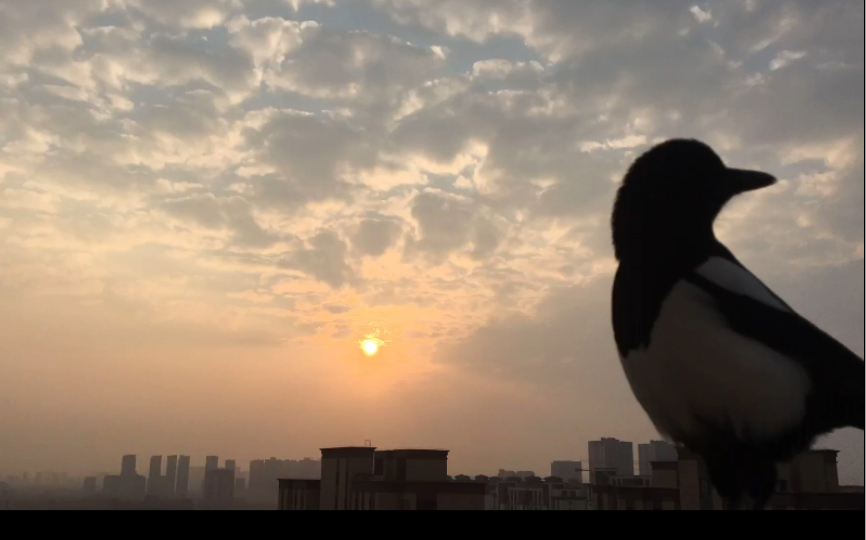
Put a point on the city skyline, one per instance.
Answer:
(260, 228)
(371, 478)
(627, 458)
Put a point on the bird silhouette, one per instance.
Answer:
(720, 364)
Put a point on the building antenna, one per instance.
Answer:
(368, 443)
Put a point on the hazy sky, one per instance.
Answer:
(206, 205)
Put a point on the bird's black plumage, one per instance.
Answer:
(720, 363)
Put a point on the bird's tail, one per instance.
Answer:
(852, 398)
(844, 398)
(858, 406)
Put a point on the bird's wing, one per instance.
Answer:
(751, 309)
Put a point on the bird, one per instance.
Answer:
(720, 363)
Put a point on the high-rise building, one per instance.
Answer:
(170, 475)
(230, 465)
(211, 463)
(111, 485)
(240, 487)
(154, 477)
(127, 466)
(219, 487)
(567, 470)
(196, 479)
(182, 483)
(133, 487)
(155, 466)
(90, 485)
(655, 451)
(130, 487)
(611, 454)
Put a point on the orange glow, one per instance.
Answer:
(369, 347)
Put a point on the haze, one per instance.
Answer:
(207, 207)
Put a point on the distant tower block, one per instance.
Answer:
(170, 475)
(182, 484)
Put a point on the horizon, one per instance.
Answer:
(264, 228)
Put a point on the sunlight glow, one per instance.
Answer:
(369, 347)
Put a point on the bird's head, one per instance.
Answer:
(674, 192)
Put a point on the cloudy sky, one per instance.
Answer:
(206, 205)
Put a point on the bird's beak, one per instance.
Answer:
(742, 181)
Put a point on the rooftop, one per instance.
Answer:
(416, 453)
(348, 451)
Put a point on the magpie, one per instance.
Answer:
(720, 364)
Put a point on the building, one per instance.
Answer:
(127, 466)
(89, 485)
(609, 453)
(299, 494)
(630, 481)
(211, 463)
(362, 478)
(219, 486)
(133, 487)
(654, 451)
(567, 470)
(170, 475)
(155, 466)
(569, 496)
(240, 487)
(390, 495)
(196, 479)
(111, 485)
(663, 495)
(182, 483)
(264, 474)
(809, 482)
(527, 495)
(154, 476)
(159, 485)
(341, 466)
(231, 464)
(533, 493)
(129, 487)
(504, 474)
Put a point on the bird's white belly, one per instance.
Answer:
(696, 366)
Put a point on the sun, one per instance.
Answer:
(369, 347)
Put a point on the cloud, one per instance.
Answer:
(448, 223)
(324, 259)
(337, 309)
(290, 175)
(232, 213)
(195, 14)
(354, 65)
(700, 15)
(308, 157)
(785, 58)
(376, 235)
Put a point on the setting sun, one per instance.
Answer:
(369, 347)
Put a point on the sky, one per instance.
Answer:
(206, 206)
